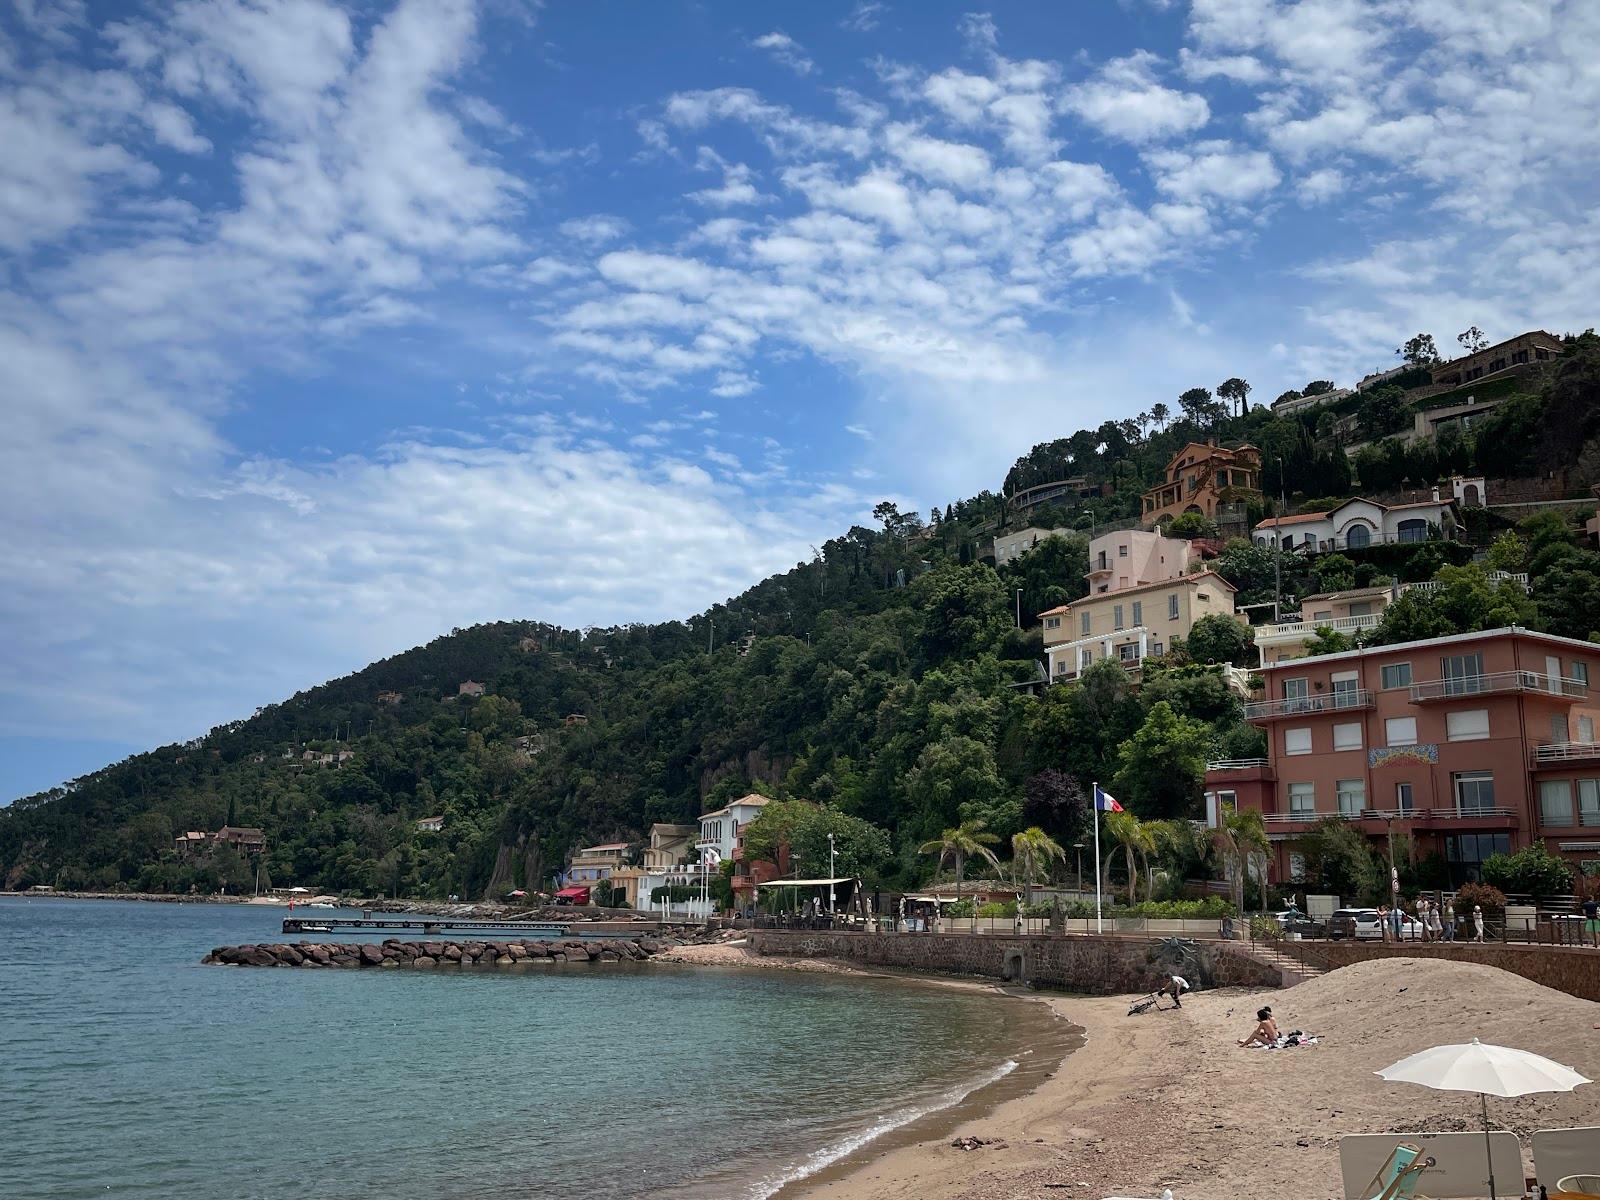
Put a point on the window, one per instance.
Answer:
(1297, 866)
(1359, 537)
(1397, 675)
(1474, 791)
(1084, 622)
(1462, 673)
(1052, 622)
(1400, 731)
(1128, 653)
(1294, 692)
(1347, 737)
(1302, 799)
(1404, 802)
(1116, 616)
(1156, 648)
(1297, 741)
(1085, 657)
(1345, 690)
(1469, 725)
(1322, 614)
(1138, 612)
(1227, 802)
(1203, 597)
(1558, 728)
(1589, 802)
(1555, 802)
(1586, 729)
(1352, 795)
(1122, 551)
(1361, 608)
(1413, 530)
(1172, 607)
(1580, 673)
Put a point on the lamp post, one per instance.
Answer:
(830, 874)
(1277, 547)
(1078, 846)
(1019, 608)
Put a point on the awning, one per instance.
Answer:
(573, 893)
(772, 883)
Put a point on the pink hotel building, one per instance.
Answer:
(1472, 744)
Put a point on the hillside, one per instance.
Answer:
(882, 677)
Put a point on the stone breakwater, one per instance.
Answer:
(499, 953)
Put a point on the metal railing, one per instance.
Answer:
(1498, 681)
(1345, 701)
(1495, 577)
(1392, 814)
(1237, 764)
(1559, 752)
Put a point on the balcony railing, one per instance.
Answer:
(1296, 706)
(1295, 630)
(1237, 764)
(1393, 814)
(1520, 578)
(1556, 753)
(1498, 681)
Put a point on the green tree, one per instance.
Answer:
(1161, 766)
(959, 843)
(1190, 525)
(1160, 414)
(1248, 567)
(1198, 406)
(963, 611)
(1383, 412)
(1219, 638)
(1240, 835)
(1473, 340)
(1236, 391)
(1464, 602)
(1338, 860)
(1127, 831)
(950, 773)
(1531, 871)
(1032, 850)
(1419, 351)
(1508, 552)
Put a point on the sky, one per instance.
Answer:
(325, 329)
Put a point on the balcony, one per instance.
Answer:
(1520, 578)
(1498, 682)
(1496, 816)
(1300, 631)
(1561, 754)
(1237, 764)
(1306, 706)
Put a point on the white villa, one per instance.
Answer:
(1359, 523)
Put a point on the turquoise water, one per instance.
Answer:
(128, 1070)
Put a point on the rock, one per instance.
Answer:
(558, 956)
(425, 960)
(452, 952)
(517, 951)
(433, 949)
(538, 950)
(504, 960)
(608, 956)
(390, 962)
(370, 955)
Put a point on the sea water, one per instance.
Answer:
(129, 1070)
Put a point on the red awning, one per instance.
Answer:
(573, 893)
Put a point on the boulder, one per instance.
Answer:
(538, 950)
(425, 960)
(390, 962)
(558, 956)
(452, 952)
(433, 949)
(517, 951)
(504, 960)
(370, 955)
(608, 956)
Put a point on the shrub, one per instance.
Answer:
(1265, 929)
(1491, 899)
(1531, 871)
(996, 909)
(961, 908)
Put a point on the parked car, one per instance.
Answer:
(1292, 920)
(1362, 925)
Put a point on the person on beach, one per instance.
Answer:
(1477, 923)
(1591, 920)
(1176, 985)
(1422, 918)
(1383, 921)
(1435, 925)
(1266, 1030)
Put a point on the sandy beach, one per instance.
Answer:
(1168, 1099)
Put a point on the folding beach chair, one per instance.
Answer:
(1399, 1174)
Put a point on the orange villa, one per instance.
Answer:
(1473, 744)
(1203, 478)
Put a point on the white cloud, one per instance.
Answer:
(1124, 100)
(1322, 185)
(785, 50)
(864, 17)
(1214, 170)
(595, 230)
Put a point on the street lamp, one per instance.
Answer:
(1019, 608)
(830, 874)
(1078, 846)
(1277, 543)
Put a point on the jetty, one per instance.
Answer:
(393, 952)
(448, 924)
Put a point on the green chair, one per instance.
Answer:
(1399, 1174)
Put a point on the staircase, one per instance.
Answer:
(1293, 969)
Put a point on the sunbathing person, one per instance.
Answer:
(1266, 1030)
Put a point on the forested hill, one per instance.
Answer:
(881, 677)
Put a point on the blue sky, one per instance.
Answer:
(326, 329)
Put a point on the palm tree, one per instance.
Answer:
(1165, 837)
(970, 839)
(1240, 834)
(1030, 849)
(1135, 839)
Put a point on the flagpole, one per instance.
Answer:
(1099, 926)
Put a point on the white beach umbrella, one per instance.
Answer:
(1487, 1070)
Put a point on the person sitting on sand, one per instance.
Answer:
(1266, 1030)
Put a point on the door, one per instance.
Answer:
(1552, 672)
(1344, 690)
(1463, 674)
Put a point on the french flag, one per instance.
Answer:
(1105, 801)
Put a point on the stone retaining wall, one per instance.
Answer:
(1099, 965)
(431, 953)
(1570, 969)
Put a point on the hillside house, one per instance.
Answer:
(1207, 479)
(242, 837)
(1353, 612)
(1359, 523)
(430, 825)
(1058, 491)
(1525, 349)
(1008, 546)
(591, 864)
(470, 687)
(575, 719)
(389, 699)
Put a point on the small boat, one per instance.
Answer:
(315, 927)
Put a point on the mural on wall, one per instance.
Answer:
(1383, 756)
